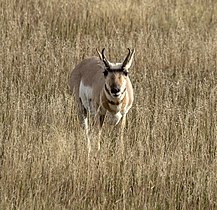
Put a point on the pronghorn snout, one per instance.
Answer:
(115, 90)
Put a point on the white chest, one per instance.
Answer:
(121, 111)
(114, 119)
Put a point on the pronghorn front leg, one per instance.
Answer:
(100, 124)
(122, 126)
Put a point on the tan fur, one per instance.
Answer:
(89, 71)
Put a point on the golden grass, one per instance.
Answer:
(171, 136)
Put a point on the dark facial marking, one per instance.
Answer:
(105, 73)
(125, 73)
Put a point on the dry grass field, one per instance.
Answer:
(170, 148)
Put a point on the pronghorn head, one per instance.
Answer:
(116, 74)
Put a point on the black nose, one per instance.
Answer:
(115, 90)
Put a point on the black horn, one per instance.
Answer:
(106, 62)
(127, 58)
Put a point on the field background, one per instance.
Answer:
(169, 160)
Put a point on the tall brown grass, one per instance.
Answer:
(171, 135)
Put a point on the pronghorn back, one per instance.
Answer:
(88, 73)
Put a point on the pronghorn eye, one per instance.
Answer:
(105, 73)
(125, 73)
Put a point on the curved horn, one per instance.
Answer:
(129, 59)
(126, 59)
(103, 56)
(106, 62)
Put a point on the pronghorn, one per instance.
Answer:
(102, 88)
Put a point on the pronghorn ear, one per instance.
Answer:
(129, 59)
